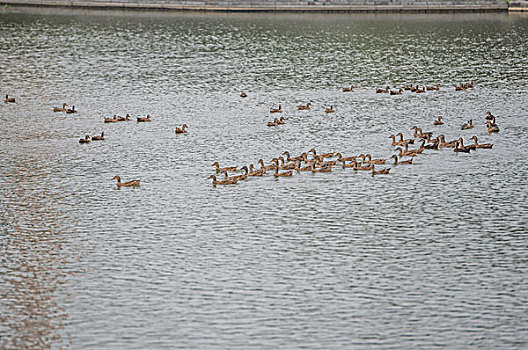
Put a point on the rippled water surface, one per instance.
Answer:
(433, 255)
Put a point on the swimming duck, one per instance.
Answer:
(266, 167)
(305, 108)
(243, 94)
(256, 172)
(358, 166)
(492, 128)
(346, 159)
(438, 121)
(461, 148)
(285, 166)
(330, 110)
(281, 121)
(98, 138)
(403, 141)
(433, 145)
(85, 140)
(420, 91)
(468, 125)
(228, 168)
(111, 120)
(399, 92)
(489, 116)
(481, 145)
(367, 159)
(408, 87)
(238, 177)
(182, 130)
(380, 172)
(443, 144)
(290, 159)
(320, 170)
(407, 152)
(141, 119)
(71, 110)
(430, 88)
(304, 168)
(275, 122)
(284, 174)
(222, 182)
(123, 119)
(383, 91)
(133, 183)
(9, 100)
(58, 109)
(349, 89)
(324, 155)
(402, 162)
(460, 88)
(276, 110)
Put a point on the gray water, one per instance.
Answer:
(433, 255)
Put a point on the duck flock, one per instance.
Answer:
(285, 165)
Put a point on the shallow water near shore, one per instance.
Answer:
(432, 255)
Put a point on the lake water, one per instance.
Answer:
(433, 255)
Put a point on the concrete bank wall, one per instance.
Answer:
(278, 5)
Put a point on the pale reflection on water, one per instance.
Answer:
(432, 255)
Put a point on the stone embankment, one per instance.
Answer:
(279, 5)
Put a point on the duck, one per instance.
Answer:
(290, 159)
(276, 110)
(367, 159)
(305, 108)
(492, 128)
(358, 166)
(71, 110)
(326, 164)
(123, 119)
(430, 88)
(461, 142)
(285, 166)
(58, 109)
(403, 141)
(409, 153)
(399, 92)
(350, 165)
(256, 172)
(469, 85)
(141, 119)
(330, 110)
(182, 130)
(85, 140)
(346, 159)
(281, 121)
(460, 88)
(227, 168)
(238, 177)
(111, 120)
(414, 88)
(284, 174)
(420, 91)
(420, 134)
(320, 170)
(438, 121)
(401, 162)
(468, 125)
(489, 116)
(481, 145)
(380, 172)
(443, 144)
(383, 91)
(433, 145)
(133, 183)
(461, 148)
(350, 89)
(304, 168)
(408, 87)
(275, 122)
(9, 99)
(222, 182)
(98, 138)
(243, 94)
(265, 167)
(324, 155)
